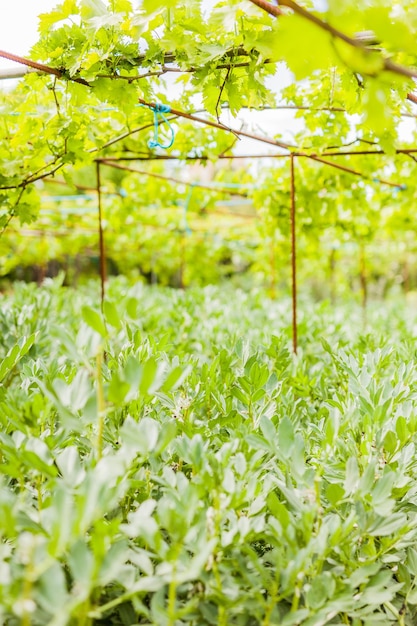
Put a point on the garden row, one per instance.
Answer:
(171, 462)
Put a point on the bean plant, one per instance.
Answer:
(168, 460)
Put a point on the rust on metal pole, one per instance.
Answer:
(363, 280)
(46, 69)
(220, 126)
(182, 261)
(293, 259)
(332, 272)
(103, 273)
(273, 277)
(125, 168)
(266, 140)
(406, 272)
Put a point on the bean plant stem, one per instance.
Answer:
(101, 406)
(39, 490)
(273, 600)
(27, 593)
(172, 601)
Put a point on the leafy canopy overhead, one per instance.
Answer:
(355, 61)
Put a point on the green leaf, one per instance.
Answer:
(176, 376)
(140, 436)
(382, 491)
(111, 315)
(289, 33)
(390, 442)
(268, 429)
(411, 597)
(92, 8)
(334, 493)
(69, 464)
(53, 594)
(14, 355)
(412, 560)
(278, 509)
(322, 587)
(352, 476)
(94, 320)
(81, 563)
(383, 527)
(62, 12)
(149, 375)
(155, 5)
(286, 436)
(401, 429)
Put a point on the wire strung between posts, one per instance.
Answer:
(169, 157)
(291, 148)
(158, 112)
(115, 164)
(45, 69)
(237, 133)
(389, 65)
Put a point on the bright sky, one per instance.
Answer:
(18, 32)
(18, 25)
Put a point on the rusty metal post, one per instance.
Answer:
(273, 273)
(182, 260)
(103, 273)
(332, 271)
(363, 280)
(293, 258)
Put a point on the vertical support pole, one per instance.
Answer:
(101, 235)
(363, 279)
(77, 269)
(293, 260)
(332, 282)
(273, 278)
(406, 273)
(153, 273)
(182, 260)
(183, 234)
(41, 269)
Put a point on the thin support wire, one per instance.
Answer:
(273, 142)
(293, 259)
(103, 273)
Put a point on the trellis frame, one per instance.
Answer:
(292, 153)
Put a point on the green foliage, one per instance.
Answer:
(187, 53)
(175, 234)
(168, 461)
